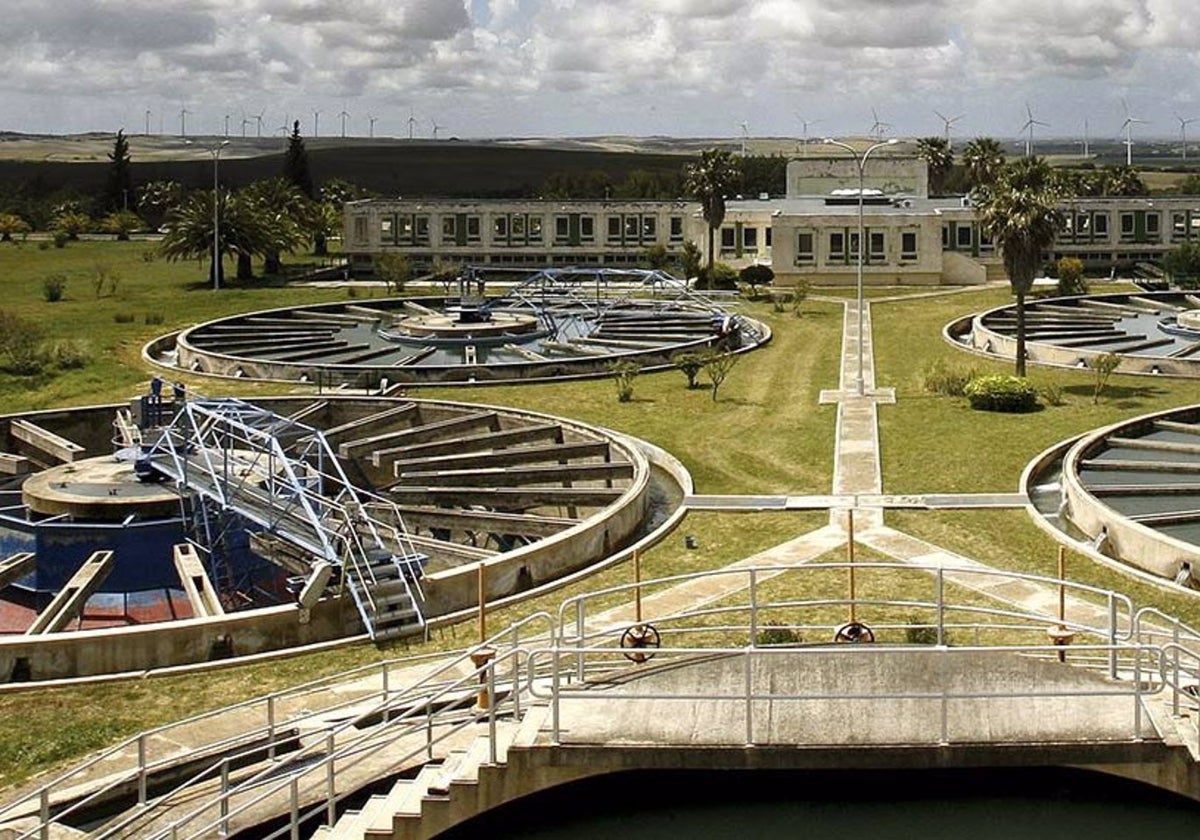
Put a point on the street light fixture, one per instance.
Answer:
(215, 151)
(860, 160)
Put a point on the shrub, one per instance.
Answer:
(12, 225)
(938, 377)
(1052, 393)
(1003, 393)
(719, 276)
(623, 374)
(149, 255)
(799, 294)
(104, 279)
(54, 287)
(395, 270)
(917, 633)
(1070, 276)
(61, 238)
(756, 275)
(124, 318)
(68, 353)
(718, 364)
(20, 344)
(777, 634)
(152, 318)
(691, 364)
(1103, 366)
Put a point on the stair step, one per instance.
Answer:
(531, 724)
(440, 784)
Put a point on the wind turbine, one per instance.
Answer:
(227, 125)
(436, 128)
(804, 124)
(345, 116)
(147, 122)
(745, 136)
(1183, 124)
(316, 123)
(1086, 140)
(183, 112)
(947, 122)
(258, 118)
(371, 128)
(879, 128)
(412, 122)
(1127, 127)
(1028, 127)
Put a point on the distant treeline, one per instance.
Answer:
(443, 170)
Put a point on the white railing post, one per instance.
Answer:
(386, 686)
(749, 675)
(554, 691)
(1137, 693)
(271, 727)
(1175, 671)
(1112, 636)
(579, 631)
(491, 697)
(941, 605)
(141, 756)
(330, 782)
(223, 827)
(753, 608)
(294, 815)
(44, 814)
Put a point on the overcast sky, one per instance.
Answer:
(498, 68)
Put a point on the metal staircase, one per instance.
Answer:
(283, 479)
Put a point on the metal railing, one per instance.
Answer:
(1137, 655)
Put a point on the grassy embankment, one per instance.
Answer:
(766, 435)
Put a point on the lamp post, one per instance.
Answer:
(215, 151)
(860, 161)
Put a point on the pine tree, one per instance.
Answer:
(295, 164)
(118, 187)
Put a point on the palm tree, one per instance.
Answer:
(935, 151)
(709, 179)
(983, 157)
(1123, 180)
(1020, 211)
(243, 233)
(286, 213)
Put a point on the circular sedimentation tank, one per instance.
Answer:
(529, 497)
(556, 324)
(1156, 333)
(1130, 491)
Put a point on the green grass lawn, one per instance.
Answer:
(765, 435)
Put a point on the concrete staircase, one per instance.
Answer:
(443, 794)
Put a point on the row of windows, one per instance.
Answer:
(841, 247)
(519, 229)
(749, 238)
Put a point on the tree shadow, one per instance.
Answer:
(738, 401)
(1120, 396)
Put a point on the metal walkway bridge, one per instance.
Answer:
(283, 478)
(748, 677)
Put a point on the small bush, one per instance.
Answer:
(1103, 367)
(799, 294)
(54, 287)
(917, 633)
(149, 255)
(20, 345)
(623, 374)
(690, 364)
(152, 318)
(999, 392)
(124, 318)
(1052, 393)
(938, 377)
(777, 634)
(45, 246)
(351, 292)
(68, 353)
(1070, 276)
(720, 276)
(61, 238)
(104, 279)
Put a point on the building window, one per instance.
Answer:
(837, 246)
(806, 248)
(962, 236)
(1153, 225)
(500, 228)
(854, 246)
(420, 230)
(1127, 225)
(1100, 224)
(946, 237)
(449, 229)
(387, 230)
(562, 230)
(649, 229)
(728, 243)
(360, 229)
(677, 228)
(534, 226)
(878, 246)
(614, 230)
(587, 228)
(908, 246)
(767, 238)
(750, 238)
(473, 228)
